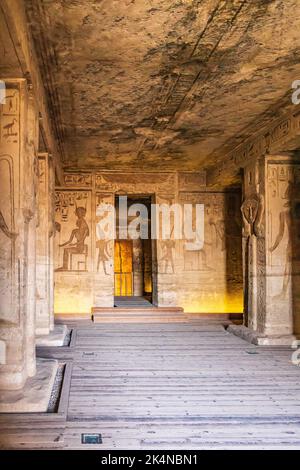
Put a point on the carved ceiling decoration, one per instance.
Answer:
(163, 85)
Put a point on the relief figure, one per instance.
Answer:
(80, 234)
(104, 254)
(285, 227)
(167, 247)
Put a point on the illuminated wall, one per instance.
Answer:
(199, 280)
(210, 279)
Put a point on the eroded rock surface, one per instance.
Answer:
(164, 84)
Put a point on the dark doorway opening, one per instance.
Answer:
(133, 285)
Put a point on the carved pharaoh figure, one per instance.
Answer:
(104, 254)
(167, 247)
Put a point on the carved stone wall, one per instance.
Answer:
(74, 251)
(209, 275)
(200, 280)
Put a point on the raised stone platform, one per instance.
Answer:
(260, 340)
(55, 338)
(34, 397)
(138, 315)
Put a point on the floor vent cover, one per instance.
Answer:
(91, 439)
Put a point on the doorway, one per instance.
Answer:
(123, 268)
(133, 259)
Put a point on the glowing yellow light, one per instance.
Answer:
(221, 304)
(72, 304)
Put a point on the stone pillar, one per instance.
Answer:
(31, 220)
(17, 116)
(30, 300)
(283, 245)
(271, 249)
(52, 233)
(164, 267)
(44, 306)
(137, 261)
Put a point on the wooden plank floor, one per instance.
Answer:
(180, 386)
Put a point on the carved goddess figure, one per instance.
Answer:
(285, 225)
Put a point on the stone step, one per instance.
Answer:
(132, 301)
(138, 315)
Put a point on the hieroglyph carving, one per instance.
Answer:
(78, 180)
(192, 181)
(265, 143)
(134, 183)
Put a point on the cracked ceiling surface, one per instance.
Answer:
(163, 84)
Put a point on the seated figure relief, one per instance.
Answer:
(80, 233)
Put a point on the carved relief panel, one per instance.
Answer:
(192, 181)
(203, 258)
(79, 180)
(135, 183)
(166, 242)
(283, 226)
(104, 242)
(212, 279)
(73, 224)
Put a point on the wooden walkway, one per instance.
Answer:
(174, 386)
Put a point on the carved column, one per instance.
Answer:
(31, 219)
(52, 233)
(44, 309)
(271, 248)
(30, 286)
(17, 226)
(137, 259)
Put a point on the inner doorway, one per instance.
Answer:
(132, 259)
(123, 268)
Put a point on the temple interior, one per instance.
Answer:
(185, 342)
